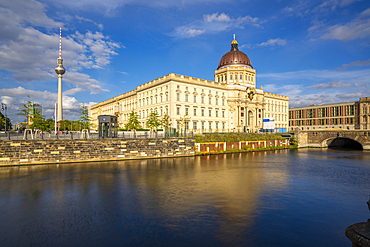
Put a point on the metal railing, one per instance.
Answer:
(78, 135)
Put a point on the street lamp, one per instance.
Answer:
(4, 107)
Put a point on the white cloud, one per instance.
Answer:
(16, 97)
(214, 23)
(352, 76)
(332, 84)
(274, 42)
(99, 25)
(298, 96)
(304, 8)
(355, 63)
(109, 7)
(357, 28)
(31, 55)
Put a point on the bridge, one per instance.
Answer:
(355, 139)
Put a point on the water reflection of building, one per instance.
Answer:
(231, 102)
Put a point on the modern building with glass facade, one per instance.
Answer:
(231, 102)
(346, 115)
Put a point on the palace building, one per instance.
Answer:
(347, 115)
(231, 102)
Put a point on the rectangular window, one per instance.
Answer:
(178, 125)
(216, 113)
(223, 102)
(202, 125)
(223, 126)
(210, 126)
(195, 111)
(202, 112)
(194, 125)
(210, 101)
(216, 126)
(186, 111)
(202, 99)
(186, 98)
(161, 98)
(195, 99)
(223, 113)
(241, 77)
(210, 113)
(187, 88)
(216, 101)
(178, 97)
(166, 97)
(178, 110)
(231, 77)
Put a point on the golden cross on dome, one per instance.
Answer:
(234, 36)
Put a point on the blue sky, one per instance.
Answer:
(315, 52)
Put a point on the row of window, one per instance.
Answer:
(277, 108)
(202, 112)
(336, 111)
(202, 125)
(195, 89)
(147, 101)
(145, 113)
(202, 99)
(222, 78)
(333, 121)
(151, 91)
(277, 117)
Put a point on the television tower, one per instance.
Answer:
(60, 70)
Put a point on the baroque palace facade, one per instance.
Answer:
(229, 103)
(348, 115)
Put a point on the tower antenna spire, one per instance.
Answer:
(60, 42)
(60, 70)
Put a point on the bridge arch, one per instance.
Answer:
(343, 142)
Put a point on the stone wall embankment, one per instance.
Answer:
(224, 146)
(52, 151)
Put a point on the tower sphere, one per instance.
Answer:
(234, 57)
(59, 69)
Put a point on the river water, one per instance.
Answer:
(303, 197)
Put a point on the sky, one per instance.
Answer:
(315, 52)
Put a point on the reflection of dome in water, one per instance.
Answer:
(234, 57)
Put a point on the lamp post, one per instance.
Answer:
(5, 107)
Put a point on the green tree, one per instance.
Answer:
(133, 122)
(166, 121)
(84, 117)
(2, 122)
(183, 122)
(153, 121)
(38, 121)
(25, 111)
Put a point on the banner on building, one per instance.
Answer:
(269, 123)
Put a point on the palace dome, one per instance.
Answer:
(234, 57)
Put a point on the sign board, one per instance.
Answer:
(269, 123)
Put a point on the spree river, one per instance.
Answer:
(303, 197)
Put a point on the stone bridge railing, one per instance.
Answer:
(323, 138)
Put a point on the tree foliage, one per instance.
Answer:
(24, 111)
(133, 121)
(166, 121)
(84, 117)
(38, 121)
(2, 122)
(153, 121)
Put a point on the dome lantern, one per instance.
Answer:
(234, 57)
